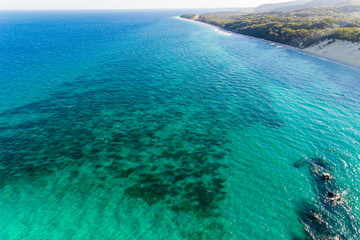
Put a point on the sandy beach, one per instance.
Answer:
(337, 50)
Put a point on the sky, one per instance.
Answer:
(128, 4)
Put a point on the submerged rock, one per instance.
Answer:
(313, 222)
(326, 176)
(329, 217)
(333, 198)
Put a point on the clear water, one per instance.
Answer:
(138, 125)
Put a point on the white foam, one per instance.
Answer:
(223, 32)
(215, 28)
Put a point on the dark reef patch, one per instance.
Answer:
(300, 163)
(130, 149)
(153, 143)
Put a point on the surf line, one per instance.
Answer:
(215, 28)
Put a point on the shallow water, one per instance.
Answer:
(138, 125)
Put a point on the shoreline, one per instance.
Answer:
(217, 28)
(276, 44)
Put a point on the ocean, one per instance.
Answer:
(140, 125)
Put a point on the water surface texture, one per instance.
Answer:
(138, 125)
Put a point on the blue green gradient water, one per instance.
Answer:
(138, 125)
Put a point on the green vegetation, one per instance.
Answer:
(300, 28)
(346, 33)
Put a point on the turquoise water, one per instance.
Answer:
(138, 125)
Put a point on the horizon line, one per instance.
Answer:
(117, 9)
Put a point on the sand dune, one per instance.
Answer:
(338, 50)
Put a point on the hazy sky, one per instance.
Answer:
(129, 4)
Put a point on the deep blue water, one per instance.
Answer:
(139, 125)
